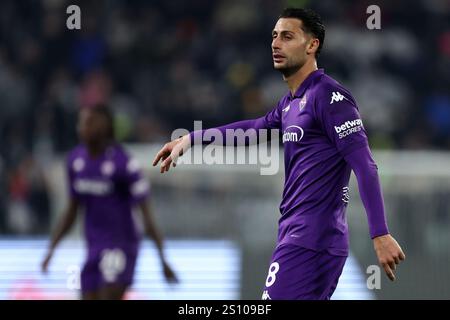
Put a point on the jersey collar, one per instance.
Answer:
(306, 83)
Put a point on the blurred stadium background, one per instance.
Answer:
(163, 64)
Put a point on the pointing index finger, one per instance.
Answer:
(158, 156)
(389, 272)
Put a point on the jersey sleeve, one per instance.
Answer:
(272, 120)
(366, 172)
(338, 115)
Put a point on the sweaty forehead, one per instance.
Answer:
(288, 24)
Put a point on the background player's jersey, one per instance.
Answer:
(107, 187)
(320, 126)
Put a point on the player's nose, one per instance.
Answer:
(275, 44)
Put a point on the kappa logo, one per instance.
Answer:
(336, 97)
(265, 296)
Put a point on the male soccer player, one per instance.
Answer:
(107, 184)
(324, 139)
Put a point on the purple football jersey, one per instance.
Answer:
(107, 187)
(320, 125)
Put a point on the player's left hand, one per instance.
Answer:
(169, 274)
(389, 254)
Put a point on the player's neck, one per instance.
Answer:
(295, 80)
(97, 149)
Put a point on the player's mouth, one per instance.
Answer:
(277, 57)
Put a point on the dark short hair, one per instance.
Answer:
(312, 23)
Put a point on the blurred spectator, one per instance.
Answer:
(163, 64)
(29, 209)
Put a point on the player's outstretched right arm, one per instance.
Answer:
(172, 150)
(61, 230)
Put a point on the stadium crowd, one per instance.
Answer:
(160, 65)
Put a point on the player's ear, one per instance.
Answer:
(313, 45)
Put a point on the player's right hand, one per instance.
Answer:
(171, 151)
(169, 274)
(45, 263)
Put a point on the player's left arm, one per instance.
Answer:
(338, 114)
(388, 251)
(152, 231)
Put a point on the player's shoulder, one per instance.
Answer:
(76, 158)
(124, 159)
(330, 91)
(117, 154)
(117, 151)
(77, 152)
(327, 84)
(284, 100)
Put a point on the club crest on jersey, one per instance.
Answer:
(107, 168)
(336, 97)
(302, 103)
(293, 134)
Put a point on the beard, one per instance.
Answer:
(290, 68)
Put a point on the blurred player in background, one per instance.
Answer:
(107, 184)
(324, 140)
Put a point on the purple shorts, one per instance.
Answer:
(108, 266)
(297, 273)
